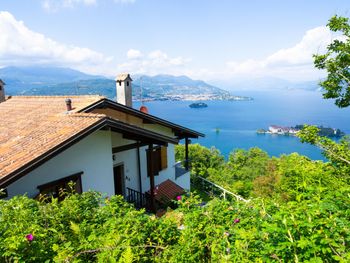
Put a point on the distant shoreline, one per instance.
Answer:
(196, 98)
(292, 131)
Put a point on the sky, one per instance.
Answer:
(212, 40)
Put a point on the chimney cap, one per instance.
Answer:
(68, 104)
(144, 109)
(123, 77)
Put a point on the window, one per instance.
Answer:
(127, 83)
(59, 188)
(3, 192)
(159, 159)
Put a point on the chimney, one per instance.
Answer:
(124, 89)
(144, 109)
(69, 104)
(2, 91)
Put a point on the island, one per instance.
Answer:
(197, 105)
(282, 130)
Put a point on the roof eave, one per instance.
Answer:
(180, 131)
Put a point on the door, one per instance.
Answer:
(118, 179)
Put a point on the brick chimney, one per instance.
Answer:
(2, 91)
(124, 89)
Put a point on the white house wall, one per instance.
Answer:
(131, 174)
(92, 155)
(184, 181)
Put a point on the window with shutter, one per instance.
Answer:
(159, 159)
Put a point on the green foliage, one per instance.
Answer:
(200, 158)
(336, 61)
(337, 152)
(91, 228)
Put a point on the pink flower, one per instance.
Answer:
(237, 220)
(30, 237)
(178, 198)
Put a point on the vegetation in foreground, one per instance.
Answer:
(313, 227)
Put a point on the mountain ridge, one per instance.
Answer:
(66, 81)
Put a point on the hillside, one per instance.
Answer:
(62, 81)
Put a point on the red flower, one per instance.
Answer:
(178, 198)
(237, 220)
(30, 237)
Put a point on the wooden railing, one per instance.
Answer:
(215, 190)
(139, 199)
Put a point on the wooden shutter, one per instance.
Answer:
(163, 157)
(154, 161)
(159, 159)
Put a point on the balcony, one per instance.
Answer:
(180, 170)
(140, 200)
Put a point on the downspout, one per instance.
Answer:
(139, 166)
(186, 153)
(151, 176)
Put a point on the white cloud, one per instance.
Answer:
(134, 54)
(124, 1)
(20, 46)
(55, 5)
(154, 62)
(294, 63)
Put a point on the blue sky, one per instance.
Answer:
(204, 39)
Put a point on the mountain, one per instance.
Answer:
(65, 81)
(174, 85)
(268, 83)
(21, 80)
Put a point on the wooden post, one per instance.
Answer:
(186, 154)
(151, 176)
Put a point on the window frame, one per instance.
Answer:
(54, 187)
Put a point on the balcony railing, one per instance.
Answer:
(215, 190)
(139, 200)
(180, 170)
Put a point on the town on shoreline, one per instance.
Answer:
(292, 131)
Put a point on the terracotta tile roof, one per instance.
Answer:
(31, 126)
(167, 191)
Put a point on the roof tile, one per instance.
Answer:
(31, 126)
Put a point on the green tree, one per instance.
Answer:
(336, 61)
(337, 153)
(200, 158)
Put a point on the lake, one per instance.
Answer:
(229, 125)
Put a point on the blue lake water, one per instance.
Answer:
(237, 121)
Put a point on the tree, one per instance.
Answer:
(336, 61)
(200, 158)
(337, 153)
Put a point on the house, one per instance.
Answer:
(100, 144)
(282, 130)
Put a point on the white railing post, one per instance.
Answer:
(224, 191)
